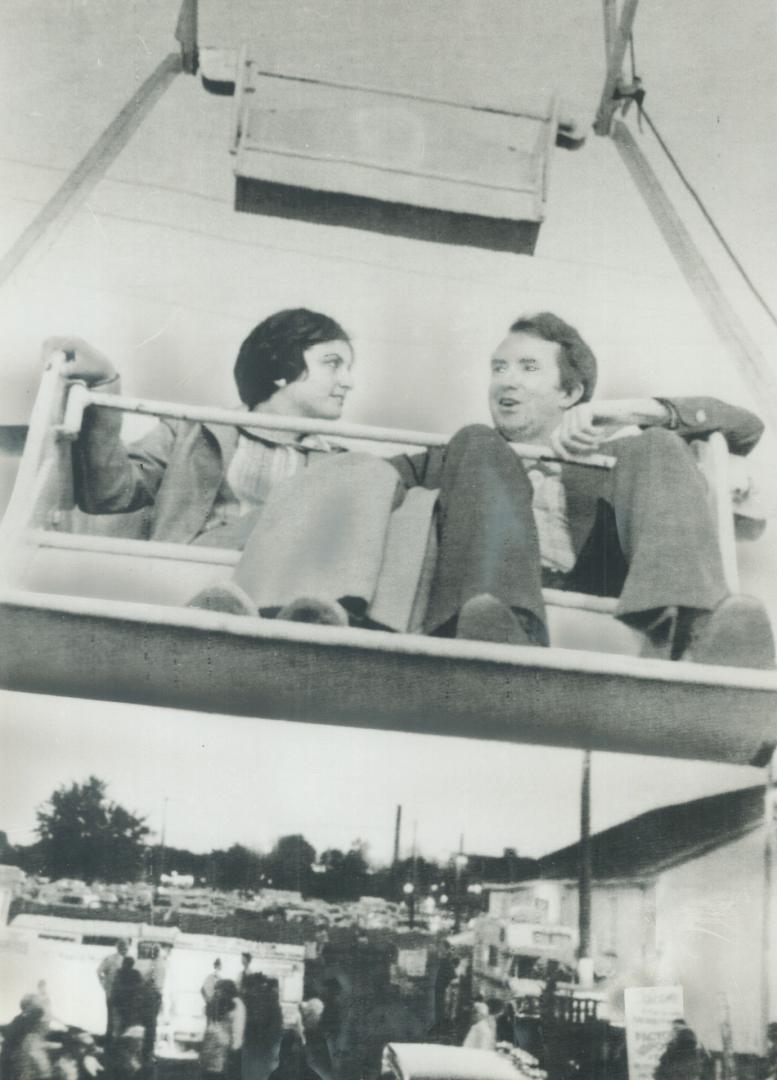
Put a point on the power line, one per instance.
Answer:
(637, 82)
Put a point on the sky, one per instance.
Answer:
(237, 780)
(139, 270)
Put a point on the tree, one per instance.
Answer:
(240, 868)
(85, 835)
(289, 863)
(345, 876)
(355, 871)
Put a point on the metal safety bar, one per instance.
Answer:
(80, 398)
(229, 557)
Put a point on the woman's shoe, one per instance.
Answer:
(309, 609)
(226, 597)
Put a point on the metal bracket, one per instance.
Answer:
(78, 398)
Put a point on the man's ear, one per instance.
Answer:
(572, 397)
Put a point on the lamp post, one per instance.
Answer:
(409, 890)
(475, 890)
(460, 862)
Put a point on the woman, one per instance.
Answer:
(310, 523)
(200, 480)
(127, 997)
(263, 1023)
(505, 1024)
(482, 1035)
(216, 1047)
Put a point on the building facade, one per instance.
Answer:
(682, 895)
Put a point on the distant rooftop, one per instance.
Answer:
(661, 838)
(502, 869)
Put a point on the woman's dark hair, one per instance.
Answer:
(576, 362)
(223, 1001)
(275, 349)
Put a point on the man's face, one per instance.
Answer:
(525, 395)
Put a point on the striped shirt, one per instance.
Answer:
(258, 464)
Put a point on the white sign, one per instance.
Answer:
(650, 1011)
(412, 962)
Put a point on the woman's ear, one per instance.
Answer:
(574, 395)
(280, 383)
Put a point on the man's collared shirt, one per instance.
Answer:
(550, 515)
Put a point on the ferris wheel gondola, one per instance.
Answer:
(96, 616)
(101, 616)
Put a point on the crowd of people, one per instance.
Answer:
(133, 997)
(245, 1035)
(337, 1033)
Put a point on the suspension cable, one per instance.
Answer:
(639, 95)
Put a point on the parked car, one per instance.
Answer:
(431, 1061)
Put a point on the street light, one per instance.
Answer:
(409, 890)
(475, 891)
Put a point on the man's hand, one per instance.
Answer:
(83, 362)
(584, 428)
(581, 431)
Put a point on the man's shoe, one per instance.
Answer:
(226, 597)
(309, 609)
(484, 618)
(737, 633)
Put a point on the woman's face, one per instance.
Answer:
(320, 392)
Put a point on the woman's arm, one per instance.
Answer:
(109, 477)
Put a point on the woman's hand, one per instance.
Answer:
(83, 362)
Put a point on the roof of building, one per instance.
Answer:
(651, 842)
(502, 869)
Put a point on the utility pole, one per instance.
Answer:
(585, 963)
(396, 884)
(163, 838)
(769, 905)
(414, 857)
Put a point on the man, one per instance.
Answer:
(208, 989)
(106, 973)
(245, 970)
(446, 973)
(684, 1057)
(153, 971)
(641, 531)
